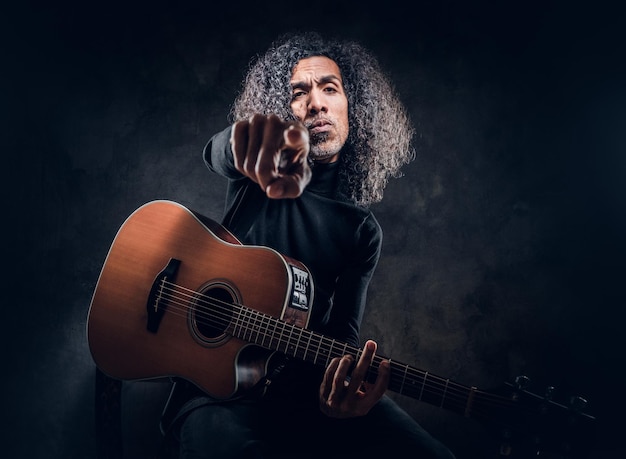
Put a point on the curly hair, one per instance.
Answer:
(380, 133)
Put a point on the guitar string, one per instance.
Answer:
(427, 384)
(455, 394)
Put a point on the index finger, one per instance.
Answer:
(296, 139)
(365, 360)
(239, 142)
(293, 173)
(270, 151)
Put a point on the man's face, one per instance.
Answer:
(319, 101)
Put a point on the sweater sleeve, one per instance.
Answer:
(218, 155)
(350, 295)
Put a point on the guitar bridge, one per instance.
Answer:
(158, 298)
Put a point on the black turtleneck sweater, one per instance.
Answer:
(338, 242)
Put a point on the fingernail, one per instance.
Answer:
(275, 190)
(295, 135)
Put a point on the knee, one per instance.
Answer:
(216, 432)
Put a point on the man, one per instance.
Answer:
(317, 132)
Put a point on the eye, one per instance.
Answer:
(297, 94)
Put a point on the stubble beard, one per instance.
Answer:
(323, 147)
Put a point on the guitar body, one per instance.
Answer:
(134, 333)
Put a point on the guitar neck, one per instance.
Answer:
(303, 344)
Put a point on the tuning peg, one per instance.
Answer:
(521, 382)
(505, 449)
(578, 403)
(505, 445)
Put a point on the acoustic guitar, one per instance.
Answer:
(180, 296)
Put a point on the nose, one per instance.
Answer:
(316, 102)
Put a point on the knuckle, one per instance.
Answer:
(256, 120)
(249, 167)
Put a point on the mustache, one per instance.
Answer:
(318, 121)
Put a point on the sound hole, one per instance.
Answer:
(212, 313)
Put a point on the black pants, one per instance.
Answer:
(282, 428)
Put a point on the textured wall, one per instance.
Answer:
(504, 241)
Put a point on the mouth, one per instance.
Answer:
(319, 126)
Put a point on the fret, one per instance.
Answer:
(275, 334)
(306, 350)
(298, 342)
(289, 344)
(247, 330)
(406, 368)
(434, 390)
(254, 328)
(423, 385)
(324, 350)
(260, 328)
(282, 337)
(412, 385)
(470, 402)
(242, 323)
(443, 396)
(330, 351)
(251, 326)
(357, 355)
(317, 351)
(278, 333)
(239, 323)
(266, 325)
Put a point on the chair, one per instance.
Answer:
(127, 418)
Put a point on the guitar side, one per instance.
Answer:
(209, 259)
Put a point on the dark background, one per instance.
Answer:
(504, 241)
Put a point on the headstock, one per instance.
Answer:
(531, 425)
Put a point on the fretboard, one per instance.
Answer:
(303, 344)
